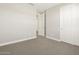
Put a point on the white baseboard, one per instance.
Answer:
(76, 44)
(40, 35)
(12, 42)
(52, 38)
(59, 40)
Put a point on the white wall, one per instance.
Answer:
(63, 22)
(69, 23)
(41, 24)
(53, 23)
(16, 22)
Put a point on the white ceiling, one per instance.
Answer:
(39, 6)
(43, 6)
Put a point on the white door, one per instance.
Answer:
(68, 23)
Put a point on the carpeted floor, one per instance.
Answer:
(40, 46)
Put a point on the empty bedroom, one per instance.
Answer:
(39, 29)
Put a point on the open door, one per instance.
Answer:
(40, 24)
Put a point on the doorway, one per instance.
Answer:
(41, 24)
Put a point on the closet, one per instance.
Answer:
(62, 23)
(69, 23)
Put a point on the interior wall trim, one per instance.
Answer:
(45, 23)
(12, 42)
(59, 40)
(53, 38)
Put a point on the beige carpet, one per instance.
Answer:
(40, 46)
